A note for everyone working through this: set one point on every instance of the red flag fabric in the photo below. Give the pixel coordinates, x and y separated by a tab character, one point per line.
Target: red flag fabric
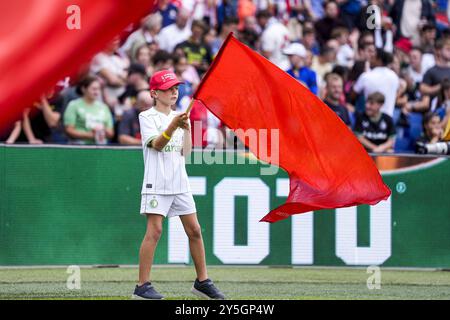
42	41
327	165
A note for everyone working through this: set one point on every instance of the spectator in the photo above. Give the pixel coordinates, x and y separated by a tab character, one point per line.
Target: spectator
415	69
302	10
310	42
10	135
349	11
168	12
137	81
345	54
248	34
413	75
144	55
375	129
432	131
323	64
380	79
176	33
112	69
88	120
227	9
47	124
162	60
129	129
297	54
196	50
185	89
148	33
326	25
409	16
229	25
274	37
245	9
40	123
334	93
435	76
441	104
428	38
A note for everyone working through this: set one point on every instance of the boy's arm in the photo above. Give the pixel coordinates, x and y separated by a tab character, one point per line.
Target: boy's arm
158	141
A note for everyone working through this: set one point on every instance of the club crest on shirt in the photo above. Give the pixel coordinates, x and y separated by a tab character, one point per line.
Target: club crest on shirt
153	203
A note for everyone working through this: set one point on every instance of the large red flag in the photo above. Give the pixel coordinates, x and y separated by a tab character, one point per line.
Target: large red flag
327	165
42	41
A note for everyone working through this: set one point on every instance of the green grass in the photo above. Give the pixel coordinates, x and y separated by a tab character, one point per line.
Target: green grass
235	282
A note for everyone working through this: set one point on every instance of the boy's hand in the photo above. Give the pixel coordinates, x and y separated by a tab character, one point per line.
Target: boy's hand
180	121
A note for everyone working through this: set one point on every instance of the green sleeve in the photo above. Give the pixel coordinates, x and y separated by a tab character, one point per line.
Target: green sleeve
70	115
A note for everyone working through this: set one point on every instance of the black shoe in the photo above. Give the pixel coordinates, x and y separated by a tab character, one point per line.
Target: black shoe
146	292
207	290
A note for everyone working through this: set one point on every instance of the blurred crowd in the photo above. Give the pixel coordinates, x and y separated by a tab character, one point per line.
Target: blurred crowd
382	66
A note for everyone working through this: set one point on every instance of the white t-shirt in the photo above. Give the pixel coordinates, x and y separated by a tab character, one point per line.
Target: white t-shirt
114	64
171	35
274	39
410	20
165	171
383	80
139	36
345	56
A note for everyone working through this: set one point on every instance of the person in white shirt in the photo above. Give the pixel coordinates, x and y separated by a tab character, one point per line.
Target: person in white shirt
176	33
380	79
274	39
166	141
112	68
345	54
148	33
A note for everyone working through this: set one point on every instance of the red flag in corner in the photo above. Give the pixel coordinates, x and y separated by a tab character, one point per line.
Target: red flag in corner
327	165
43	41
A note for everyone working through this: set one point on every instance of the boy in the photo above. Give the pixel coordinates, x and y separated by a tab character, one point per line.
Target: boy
166	140
375	129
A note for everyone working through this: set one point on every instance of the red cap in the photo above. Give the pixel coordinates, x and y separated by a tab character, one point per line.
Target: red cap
163	80
404	44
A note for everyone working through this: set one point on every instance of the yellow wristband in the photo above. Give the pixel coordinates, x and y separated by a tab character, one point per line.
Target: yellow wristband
165	135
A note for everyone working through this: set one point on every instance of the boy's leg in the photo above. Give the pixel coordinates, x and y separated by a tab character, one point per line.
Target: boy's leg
194	233
148	246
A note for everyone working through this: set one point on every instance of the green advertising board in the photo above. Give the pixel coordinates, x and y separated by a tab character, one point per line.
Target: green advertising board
80	206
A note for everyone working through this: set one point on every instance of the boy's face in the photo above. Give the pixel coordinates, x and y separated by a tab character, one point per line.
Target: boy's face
373	108
167	97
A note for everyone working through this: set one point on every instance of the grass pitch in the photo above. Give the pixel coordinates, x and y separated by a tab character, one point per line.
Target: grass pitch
236	282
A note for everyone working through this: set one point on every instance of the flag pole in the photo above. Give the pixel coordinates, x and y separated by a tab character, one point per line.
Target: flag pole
189	108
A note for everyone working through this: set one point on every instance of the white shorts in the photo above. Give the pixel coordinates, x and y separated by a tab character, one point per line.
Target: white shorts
171	205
